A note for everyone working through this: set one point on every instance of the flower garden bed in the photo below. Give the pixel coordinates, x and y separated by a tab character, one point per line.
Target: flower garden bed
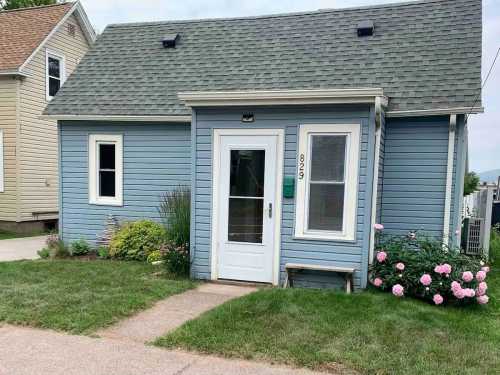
425	268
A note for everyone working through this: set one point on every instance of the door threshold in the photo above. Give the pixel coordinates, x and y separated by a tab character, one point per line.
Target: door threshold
240	283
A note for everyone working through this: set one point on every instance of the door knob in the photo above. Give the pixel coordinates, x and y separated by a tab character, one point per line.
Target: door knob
270	210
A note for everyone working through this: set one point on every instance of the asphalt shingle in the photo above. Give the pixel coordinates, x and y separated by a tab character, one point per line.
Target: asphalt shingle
425	55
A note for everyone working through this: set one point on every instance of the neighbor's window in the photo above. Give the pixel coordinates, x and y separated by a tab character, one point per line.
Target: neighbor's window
54	74
106	169
327	181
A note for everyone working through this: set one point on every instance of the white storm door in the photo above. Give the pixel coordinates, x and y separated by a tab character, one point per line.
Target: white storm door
246	207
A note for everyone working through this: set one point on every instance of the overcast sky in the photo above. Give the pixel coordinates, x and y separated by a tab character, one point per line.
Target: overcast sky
484	144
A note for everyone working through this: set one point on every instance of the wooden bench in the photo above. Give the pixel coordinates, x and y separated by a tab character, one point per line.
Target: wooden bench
292	268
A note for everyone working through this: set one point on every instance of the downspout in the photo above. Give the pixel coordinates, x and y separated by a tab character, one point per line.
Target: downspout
449	180
376	160
192	234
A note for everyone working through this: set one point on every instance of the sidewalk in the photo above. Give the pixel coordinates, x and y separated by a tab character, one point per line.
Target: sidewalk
172	312
28	351
21	248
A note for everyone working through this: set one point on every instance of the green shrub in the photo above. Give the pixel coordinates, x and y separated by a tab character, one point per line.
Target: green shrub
60	250
175	211
80	247
44	253
425	269
155	256
103	252
56	247
136	240
177	260
495	244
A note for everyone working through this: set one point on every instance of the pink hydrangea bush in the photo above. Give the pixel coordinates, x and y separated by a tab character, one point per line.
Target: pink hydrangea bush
423	268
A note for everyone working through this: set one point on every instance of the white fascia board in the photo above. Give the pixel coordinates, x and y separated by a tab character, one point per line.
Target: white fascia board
436	112
12	73
116	118
85	24
280	97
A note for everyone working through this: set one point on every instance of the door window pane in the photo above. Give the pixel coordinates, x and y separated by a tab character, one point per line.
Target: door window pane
326	207
245	220
328	157
247	173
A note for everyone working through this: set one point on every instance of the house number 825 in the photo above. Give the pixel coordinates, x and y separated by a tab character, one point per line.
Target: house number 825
302	159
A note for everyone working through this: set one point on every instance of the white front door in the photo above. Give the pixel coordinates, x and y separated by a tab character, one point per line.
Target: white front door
246	212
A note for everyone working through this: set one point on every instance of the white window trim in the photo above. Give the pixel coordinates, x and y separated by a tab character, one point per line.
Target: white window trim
348	232
94	140
62	68
2	185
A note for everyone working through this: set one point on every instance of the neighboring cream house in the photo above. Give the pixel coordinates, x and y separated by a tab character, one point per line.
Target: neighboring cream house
39	48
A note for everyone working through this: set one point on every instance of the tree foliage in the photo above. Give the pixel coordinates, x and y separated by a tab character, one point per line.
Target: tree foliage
16	4
471	183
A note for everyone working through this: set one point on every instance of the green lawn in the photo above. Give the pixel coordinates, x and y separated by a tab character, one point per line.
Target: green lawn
79	296
371	332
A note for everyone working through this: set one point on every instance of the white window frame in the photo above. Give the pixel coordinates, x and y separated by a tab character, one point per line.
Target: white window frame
62	70
2	184
94	141
352	132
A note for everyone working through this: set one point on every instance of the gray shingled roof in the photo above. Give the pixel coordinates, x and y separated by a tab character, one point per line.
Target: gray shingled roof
425	55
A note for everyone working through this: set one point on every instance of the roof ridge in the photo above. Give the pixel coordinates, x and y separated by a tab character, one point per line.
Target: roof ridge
36	7
396	3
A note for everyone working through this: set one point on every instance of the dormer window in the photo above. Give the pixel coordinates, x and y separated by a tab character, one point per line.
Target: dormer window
54	74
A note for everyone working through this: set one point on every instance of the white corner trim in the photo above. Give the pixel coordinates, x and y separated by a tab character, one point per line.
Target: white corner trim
435	112
353	132
2	186
62	70
94	140
116	118
378	131
279	97
86	26
449	179
217	135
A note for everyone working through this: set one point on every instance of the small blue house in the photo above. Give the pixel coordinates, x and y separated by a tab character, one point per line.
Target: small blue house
296	132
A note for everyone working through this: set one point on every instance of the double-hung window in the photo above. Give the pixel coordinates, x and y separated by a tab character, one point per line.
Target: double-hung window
106	169
327	180
54	73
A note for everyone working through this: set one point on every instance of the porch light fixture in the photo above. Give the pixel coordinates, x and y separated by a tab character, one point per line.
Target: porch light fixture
247	117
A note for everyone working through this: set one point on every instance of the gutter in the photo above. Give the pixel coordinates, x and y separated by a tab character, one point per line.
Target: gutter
116	118
280	97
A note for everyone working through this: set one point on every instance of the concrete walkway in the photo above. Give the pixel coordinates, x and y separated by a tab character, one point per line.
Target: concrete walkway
21	248
27	351
172	312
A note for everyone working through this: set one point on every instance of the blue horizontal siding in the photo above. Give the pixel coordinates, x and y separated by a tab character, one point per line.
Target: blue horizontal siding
414	177
156	159
337	253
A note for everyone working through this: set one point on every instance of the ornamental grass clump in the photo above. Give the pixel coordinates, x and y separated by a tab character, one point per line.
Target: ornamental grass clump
424	268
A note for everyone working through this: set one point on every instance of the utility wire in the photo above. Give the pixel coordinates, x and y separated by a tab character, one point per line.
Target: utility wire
484	83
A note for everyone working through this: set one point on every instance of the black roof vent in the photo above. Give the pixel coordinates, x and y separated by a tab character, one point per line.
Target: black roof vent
170	40
365	28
